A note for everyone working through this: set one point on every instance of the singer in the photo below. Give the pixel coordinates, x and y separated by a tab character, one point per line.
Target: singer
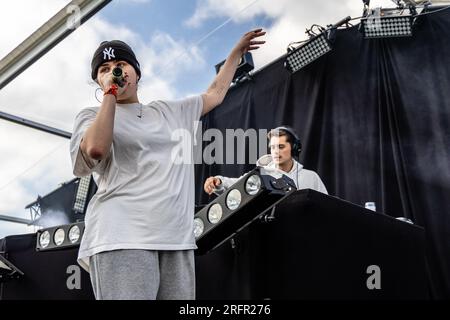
139	241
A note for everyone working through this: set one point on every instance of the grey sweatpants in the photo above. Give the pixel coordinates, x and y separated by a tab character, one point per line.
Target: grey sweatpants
143	275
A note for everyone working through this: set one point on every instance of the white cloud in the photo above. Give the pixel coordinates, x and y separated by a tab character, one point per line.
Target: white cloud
238	10
166	58
8	228
290	18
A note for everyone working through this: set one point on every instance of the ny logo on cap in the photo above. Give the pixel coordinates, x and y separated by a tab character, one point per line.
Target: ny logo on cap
108	52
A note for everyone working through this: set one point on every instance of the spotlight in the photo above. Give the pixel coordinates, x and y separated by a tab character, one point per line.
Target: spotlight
199	227
74	234
312	49
307	53
233	199
249	198
253	185
79	205
215	213
44	239
60	236
244	67
387	23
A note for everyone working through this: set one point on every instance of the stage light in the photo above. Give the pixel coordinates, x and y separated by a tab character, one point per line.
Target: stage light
215	213
58	237
44	239
233	199
387	23
307	53
74	234
253	185
313	48
250	197
82	194
199	227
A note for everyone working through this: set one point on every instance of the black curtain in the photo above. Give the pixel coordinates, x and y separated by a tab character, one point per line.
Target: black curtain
374	120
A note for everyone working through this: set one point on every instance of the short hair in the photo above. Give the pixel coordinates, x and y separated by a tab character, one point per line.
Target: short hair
281	133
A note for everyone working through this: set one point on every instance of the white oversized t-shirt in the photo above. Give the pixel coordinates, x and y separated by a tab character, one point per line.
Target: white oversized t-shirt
144	200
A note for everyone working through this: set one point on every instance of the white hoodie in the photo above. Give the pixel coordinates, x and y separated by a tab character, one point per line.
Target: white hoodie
303	178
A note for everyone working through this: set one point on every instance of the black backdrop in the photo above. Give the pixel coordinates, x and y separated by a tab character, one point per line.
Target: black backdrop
374	120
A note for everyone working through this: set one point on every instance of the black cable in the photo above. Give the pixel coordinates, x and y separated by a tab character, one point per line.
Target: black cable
321	29
430	12
290	47
310	31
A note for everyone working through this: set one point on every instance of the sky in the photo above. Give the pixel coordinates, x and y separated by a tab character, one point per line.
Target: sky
177	42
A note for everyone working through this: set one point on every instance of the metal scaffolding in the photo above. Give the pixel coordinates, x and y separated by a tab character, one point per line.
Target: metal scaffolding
32	49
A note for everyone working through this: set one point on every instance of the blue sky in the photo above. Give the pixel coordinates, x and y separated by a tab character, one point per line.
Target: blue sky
165	35
148	18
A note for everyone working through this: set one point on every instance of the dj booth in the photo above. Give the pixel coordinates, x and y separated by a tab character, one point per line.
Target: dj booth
313	246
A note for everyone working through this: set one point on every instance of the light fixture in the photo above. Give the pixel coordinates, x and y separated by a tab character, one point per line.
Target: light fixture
387	23
233	199
199	227
253	185
307	53
58	237
215	213
74	234
81	196
313	48
44	239
250	197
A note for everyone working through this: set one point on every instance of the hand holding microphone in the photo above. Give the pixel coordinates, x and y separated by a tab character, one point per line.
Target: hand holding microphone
116	77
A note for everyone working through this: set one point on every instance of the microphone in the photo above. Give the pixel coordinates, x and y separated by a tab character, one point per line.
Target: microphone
118	77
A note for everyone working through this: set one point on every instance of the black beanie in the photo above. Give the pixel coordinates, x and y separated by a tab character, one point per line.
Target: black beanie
113	50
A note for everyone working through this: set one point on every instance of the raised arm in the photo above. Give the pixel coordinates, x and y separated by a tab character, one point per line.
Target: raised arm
219	87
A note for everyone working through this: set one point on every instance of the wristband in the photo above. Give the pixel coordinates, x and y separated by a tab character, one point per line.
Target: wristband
112	90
